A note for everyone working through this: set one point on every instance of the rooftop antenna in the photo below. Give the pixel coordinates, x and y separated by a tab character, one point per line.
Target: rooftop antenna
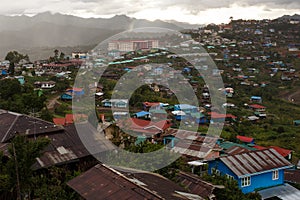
34	115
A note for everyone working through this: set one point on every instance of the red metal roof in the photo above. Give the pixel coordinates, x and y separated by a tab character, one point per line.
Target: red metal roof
145	126
149	104
75	89
216	115
245	139
230	116
255	161
282	151
260	147
256	106
59	121
71	118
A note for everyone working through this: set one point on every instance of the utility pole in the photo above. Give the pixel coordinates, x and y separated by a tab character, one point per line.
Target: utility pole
19	197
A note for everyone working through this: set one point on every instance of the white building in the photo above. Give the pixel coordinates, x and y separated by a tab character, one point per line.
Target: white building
132	45
80	55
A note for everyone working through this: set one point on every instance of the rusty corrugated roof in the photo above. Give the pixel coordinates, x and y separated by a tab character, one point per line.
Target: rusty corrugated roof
102	182
292	176
192	143
255	162
236	150
65	143
195	185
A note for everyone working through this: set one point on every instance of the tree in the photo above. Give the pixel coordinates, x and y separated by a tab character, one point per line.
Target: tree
17	98
11	68
231	190
61	56
46	115
62	109
8	88
280	129
23	153
56	54
15	57
52	184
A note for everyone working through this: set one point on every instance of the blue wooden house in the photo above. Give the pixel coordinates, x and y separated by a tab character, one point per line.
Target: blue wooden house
76	91
254	170
256	99
4	72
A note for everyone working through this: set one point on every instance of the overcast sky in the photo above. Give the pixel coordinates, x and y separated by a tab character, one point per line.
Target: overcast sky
192	11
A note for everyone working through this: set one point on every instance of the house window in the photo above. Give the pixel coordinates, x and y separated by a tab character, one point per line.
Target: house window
215	171
229	177
246	181
275	175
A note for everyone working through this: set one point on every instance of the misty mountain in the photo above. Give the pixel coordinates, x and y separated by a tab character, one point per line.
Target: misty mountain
290	17
185	25
52	30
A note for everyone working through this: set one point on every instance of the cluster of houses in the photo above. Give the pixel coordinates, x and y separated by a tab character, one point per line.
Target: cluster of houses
254	167
240	57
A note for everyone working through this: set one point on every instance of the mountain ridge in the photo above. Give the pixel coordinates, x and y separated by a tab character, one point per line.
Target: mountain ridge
55	29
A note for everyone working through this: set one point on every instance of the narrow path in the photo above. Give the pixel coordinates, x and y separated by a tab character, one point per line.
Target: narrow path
52	102
291	96
294	97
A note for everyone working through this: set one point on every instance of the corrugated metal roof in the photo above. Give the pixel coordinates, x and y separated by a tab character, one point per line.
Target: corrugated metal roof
103	182
15	123
284	192
192	143
226	145
255	162
236	150
292	176
195	184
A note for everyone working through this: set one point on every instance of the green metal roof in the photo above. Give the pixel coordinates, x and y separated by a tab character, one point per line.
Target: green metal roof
296	121
227	145
140	139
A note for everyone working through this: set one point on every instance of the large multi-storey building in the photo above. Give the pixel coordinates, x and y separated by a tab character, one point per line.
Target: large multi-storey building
132	45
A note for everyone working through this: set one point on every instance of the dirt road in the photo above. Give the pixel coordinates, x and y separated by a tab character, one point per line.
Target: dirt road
52	102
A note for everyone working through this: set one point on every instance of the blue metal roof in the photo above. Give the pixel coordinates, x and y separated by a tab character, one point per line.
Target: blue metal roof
256	97
142	114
